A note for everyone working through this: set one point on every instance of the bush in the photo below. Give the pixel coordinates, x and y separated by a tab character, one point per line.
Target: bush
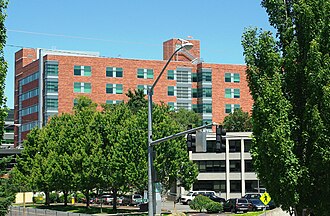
199	203
214	207
61	199
53	197
38	199
80	197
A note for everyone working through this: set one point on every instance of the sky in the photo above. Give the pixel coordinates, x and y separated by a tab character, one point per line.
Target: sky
130	28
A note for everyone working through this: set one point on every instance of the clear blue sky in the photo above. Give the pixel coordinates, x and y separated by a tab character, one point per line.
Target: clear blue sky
130	28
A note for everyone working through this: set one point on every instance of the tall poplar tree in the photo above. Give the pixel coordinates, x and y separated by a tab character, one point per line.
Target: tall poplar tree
289	79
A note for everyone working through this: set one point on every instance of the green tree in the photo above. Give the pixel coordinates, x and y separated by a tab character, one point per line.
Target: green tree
289	81
238	121
3	65
7	194
200	203
186	117
137	100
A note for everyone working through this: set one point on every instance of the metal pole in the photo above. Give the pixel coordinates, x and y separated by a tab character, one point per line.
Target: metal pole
151	203
150	159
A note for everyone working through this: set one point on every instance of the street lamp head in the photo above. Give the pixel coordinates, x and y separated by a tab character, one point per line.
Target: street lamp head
187	45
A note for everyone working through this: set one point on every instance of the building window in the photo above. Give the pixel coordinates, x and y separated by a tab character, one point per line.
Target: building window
230	108
170	90
51	103
235	186
247	145
114	88
232	77
144	88
234	145
30	94
232	93
219	186
145	73
194	107
171	105
194	93
51	86
194	77
182	105
211	166
51	68
82	70
207	92
235	166
170	74
114	101
80	87
182	92
248	166
182	76
207	108
114	72
251	186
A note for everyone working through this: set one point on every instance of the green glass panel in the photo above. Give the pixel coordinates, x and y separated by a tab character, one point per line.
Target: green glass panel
141	87
227	77
140	73
109	89
170	90
77	70
109	102
237	106
236	78
119	72
170	74
228	108
87	70
194	77
194	93
236	93
227	93
87	88
207	92
77	87
109	72
150	73
119	88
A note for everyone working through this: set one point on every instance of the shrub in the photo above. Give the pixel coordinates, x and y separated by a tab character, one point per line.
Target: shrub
38	199
61	199
53	197
80	197
214	207
199	203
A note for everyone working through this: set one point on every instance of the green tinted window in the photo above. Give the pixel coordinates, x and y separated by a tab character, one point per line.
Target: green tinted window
170	90
87	70
194	77
119	88
228	108
77	70
51	86
227	77
119	72
150	73
227	93
236	78
170	74
87	88
109	72
194	93
140	73
236	93
77	87
171	104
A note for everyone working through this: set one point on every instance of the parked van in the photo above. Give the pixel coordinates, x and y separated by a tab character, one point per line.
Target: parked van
186	199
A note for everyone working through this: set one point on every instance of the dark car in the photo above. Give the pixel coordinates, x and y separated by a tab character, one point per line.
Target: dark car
237	205
257	205
249	196
215	198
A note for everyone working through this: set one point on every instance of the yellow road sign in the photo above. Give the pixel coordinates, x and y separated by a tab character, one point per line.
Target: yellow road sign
265	198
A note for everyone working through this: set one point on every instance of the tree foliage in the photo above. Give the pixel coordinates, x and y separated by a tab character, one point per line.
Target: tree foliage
3	65
106	150
7	195
238	121
289	81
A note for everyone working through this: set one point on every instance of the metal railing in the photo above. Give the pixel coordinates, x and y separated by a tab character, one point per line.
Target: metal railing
20	211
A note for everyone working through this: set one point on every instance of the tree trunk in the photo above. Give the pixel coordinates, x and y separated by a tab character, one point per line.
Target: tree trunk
65	193
47	201
87	198
114	201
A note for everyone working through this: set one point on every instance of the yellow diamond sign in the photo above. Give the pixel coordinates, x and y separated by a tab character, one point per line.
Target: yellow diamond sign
265	198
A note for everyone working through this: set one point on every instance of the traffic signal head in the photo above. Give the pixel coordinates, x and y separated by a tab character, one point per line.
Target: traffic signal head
220	140
191	139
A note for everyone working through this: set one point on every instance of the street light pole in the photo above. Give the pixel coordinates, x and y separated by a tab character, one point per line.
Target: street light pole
151	205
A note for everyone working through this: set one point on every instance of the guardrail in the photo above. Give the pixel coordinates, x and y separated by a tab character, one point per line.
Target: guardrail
20	211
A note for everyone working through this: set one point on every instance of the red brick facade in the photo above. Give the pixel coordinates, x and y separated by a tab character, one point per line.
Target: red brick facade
27	63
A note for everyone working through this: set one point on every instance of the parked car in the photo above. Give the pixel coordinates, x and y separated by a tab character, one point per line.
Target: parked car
237	205
216	198
249	196
186	199
136	199
257	205
105	199
123	200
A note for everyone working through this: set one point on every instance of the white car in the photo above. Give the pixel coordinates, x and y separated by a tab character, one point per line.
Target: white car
186	199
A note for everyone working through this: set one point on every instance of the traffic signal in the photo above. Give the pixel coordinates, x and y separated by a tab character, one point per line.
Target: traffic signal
191	139
220	140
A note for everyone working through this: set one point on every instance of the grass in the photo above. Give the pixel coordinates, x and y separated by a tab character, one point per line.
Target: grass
256	213
83	209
